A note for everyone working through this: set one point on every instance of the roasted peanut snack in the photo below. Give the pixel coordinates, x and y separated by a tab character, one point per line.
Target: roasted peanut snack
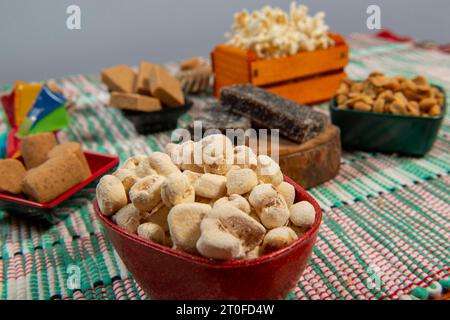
241	211
395	95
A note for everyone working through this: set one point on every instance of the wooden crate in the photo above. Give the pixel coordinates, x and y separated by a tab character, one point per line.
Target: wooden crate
307	77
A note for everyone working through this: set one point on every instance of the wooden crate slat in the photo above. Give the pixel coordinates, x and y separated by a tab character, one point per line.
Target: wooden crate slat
300	65
310	90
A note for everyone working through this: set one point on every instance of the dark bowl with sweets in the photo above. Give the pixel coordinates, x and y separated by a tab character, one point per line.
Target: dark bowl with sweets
388	133
165	119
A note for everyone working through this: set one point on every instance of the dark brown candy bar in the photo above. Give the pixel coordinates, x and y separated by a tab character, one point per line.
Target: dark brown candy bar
217	116
295	122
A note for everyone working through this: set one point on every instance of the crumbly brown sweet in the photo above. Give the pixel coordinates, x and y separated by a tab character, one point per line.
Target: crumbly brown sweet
12	172
52	178
35	148
75	148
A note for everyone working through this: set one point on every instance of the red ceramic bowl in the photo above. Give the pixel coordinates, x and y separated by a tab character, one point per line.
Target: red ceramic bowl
164	273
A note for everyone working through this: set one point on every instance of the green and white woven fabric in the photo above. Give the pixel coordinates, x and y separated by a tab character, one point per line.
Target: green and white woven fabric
385	232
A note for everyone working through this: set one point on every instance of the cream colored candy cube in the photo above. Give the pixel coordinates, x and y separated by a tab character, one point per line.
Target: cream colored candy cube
162	164
244	157
303	214
261	195
145	194
151	231
278	238
128	218
111	195
139	165
217	154
270	206
177	189
192	175
187	155
287	190
158	215
241	181
269	171
275	213
234	200
211	186
249	231
216	243
127	177
184	224
253	254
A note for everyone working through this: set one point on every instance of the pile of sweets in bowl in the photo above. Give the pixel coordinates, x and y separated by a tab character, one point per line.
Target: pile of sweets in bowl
207	198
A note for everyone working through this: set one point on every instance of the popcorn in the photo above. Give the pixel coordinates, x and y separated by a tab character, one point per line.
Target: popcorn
273	33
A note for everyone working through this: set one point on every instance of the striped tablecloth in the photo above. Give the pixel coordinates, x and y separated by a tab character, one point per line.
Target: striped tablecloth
386	227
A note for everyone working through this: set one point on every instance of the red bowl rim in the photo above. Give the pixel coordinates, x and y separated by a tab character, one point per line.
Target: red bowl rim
114	160
228	263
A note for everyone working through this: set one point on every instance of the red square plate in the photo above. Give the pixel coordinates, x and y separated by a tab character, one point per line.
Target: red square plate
100	164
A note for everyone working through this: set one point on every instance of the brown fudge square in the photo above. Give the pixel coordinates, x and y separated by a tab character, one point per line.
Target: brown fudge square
12	172
133	101
119	78
142	80
165	87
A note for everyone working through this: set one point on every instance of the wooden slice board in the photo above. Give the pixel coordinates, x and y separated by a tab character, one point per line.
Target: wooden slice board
313	162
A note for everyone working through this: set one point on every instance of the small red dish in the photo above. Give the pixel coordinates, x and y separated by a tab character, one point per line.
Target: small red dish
100	164
164	273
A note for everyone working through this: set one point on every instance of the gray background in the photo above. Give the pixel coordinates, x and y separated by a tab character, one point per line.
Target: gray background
35	43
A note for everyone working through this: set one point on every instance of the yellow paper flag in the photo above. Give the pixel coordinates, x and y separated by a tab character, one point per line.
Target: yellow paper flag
24	97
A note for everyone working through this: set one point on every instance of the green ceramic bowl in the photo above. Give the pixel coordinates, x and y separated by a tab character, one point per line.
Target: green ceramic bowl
370	131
